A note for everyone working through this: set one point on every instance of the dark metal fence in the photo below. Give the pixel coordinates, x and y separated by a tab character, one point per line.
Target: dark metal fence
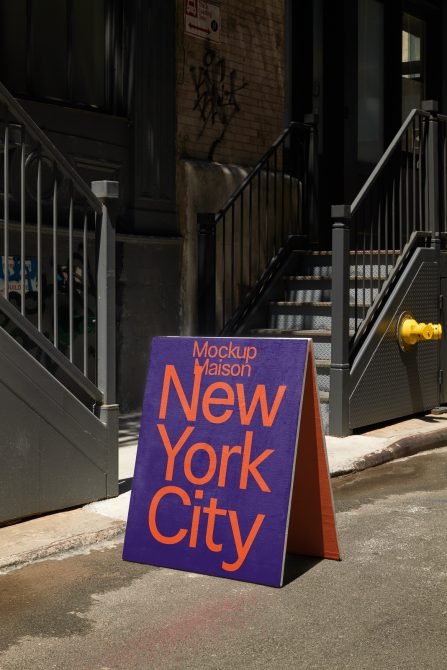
57	259
401	205
275	201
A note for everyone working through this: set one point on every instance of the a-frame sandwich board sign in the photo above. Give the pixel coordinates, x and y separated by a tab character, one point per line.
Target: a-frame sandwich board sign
231	468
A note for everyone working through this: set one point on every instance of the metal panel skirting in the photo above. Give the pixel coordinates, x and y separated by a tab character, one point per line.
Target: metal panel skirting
386	382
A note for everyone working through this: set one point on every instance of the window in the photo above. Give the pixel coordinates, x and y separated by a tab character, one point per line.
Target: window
56	50
413	63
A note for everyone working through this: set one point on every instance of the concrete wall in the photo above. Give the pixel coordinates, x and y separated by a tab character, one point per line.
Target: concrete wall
148	304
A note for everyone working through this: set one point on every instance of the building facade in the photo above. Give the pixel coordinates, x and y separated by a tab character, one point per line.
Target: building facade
178	100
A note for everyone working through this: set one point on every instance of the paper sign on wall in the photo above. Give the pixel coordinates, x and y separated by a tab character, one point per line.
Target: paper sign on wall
202	19
231	468
15	274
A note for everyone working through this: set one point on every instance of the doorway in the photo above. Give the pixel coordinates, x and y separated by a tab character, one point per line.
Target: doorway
414	65
398	66
362	65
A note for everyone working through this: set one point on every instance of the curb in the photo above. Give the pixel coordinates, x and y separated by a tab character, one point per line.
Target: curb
74	542
402	448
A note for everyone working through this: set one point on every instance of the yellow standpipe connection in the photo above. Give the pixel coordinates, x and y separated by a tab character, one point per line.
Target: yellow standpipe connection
409	331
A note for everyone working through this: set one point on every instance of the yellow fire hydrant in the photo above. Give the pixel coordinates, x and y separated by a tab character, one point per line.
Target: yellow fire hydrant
409	331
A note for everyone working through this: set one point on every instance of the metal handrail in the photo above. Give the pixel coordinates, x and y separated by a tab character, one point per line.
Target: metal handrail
233	326
39	136
392	204
46	346
418	238
385	158
65	273
258	167
276	200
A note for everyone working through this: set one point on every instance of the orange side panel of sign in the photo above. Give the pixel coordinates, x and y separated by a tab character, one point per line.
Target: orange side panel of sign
312	529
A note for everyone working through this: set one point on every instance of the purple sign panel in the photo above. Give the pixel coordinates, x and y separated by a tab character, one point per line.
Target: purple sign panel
216	454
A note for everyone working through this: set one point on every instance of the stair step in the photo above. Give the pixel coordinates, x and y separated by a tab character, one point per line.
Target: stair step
321	338
300	303
362	264
323	271
290	332
367	252
318	278
295	304
316	316
322	293
322	363
324	396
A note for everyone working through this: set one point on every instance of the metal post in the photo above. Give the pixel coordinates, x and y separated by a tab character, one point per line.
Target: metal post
340	370
312	181
206	277
432	170
107	192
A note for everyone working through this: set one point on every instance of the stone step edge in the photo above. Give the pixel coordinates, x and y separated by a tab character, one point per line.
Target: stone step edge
291	332
366	252
315	303
322	278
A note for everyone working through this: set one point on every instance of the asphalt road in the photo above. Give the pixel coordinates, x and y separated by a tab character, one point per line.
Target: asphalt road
384	606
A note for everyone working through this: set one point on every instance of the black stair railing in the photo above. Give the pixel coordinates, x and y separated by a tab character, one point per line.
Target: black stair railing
275	201
404	197
57	259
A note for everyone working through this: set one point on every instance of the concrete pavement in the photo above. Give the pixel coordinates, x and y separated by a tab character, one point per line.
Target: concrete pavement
37	539
383	607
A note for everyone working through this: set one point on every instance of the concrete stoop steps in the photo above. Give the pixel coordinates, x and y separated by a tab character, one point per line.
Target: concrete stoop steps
306	308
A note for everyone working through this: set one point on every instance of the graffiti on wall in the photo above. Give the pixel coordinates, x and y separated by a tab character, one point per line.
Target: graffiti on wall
216	88
47	296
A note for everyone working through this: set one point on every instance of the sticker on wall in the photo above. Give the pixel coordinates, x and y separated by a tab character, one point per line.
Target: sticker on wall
231	468
15	274
202	19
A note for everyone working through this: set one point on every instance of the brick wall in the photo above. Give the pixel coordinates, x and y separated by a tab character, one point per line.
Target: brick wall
252	48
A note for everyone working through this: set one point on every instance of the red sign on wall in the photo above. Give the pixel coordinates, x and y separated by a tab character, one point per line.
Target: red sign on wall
202	19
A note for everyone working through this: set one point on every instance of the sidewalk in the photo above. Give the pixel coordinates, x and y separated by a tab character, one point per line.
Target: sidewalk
53	534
